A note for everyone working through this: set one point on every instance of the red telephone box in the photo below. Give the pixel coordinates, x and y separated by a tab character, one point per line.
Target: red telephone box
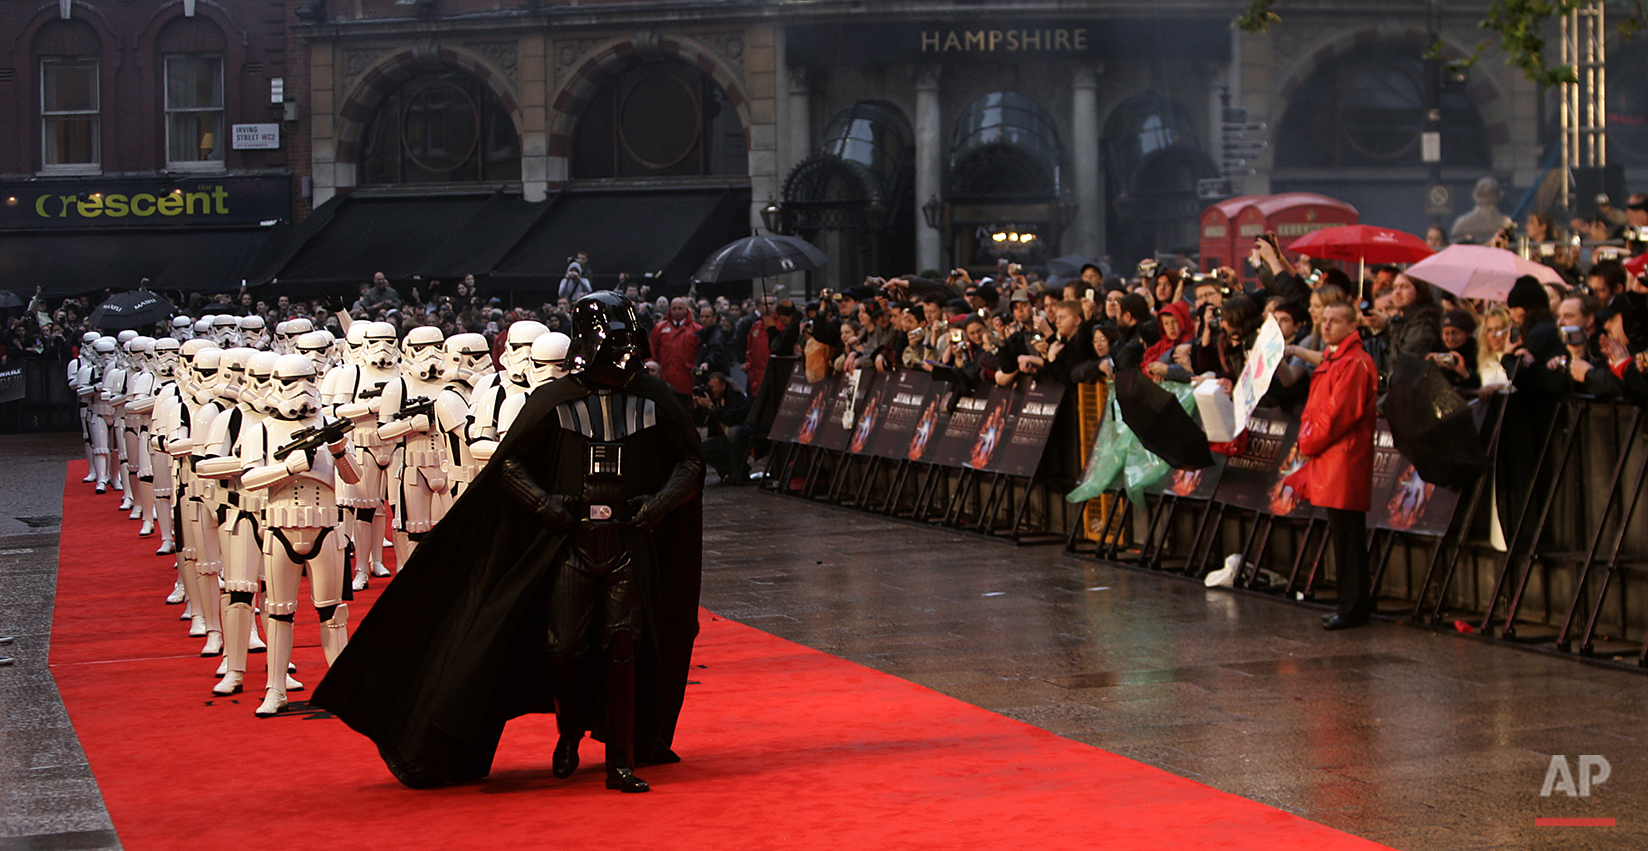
1290	214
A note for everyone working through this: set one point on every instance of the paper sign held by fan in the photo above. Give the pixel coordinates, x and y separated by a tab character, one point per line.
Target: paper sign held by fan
1261	366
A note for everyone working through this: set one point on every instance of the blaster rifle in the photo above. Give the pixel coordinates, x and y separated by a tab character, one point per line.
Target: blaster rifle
314	437
416	405
370	393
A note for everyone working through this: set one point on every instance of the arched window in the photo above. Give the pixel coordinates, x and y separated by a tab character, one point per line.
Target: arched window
191	52
1367	109
441	127
661	119
1004	146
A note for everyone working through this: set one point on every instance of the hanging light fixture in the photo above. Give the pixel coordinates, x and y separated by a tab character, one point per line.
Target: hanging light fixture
772	216
933	212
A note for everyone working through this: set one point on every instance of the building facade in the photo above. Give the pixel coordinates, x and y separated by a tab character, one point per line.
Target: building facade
143	140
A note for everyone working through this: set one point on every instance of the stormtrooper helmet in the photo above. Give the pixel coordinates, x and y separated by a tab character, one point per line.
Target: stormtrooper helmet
232	367
379	350
517	356
259	368
89	338
225	331
166	356
281	340
294	395
549	357
317	347
202	329
138	350
254	333
182	328
468	356
354	343
206	370
604	336
106	350
422	352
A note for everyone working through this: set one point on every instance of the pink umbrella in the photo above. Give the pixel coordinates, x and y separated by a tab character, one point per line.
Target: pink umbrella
1479	271
1363	243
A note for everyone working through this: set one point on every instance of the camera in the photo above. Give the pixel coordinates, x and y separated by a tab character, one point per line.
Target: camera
1147	268
1573	335
955	335
1547	249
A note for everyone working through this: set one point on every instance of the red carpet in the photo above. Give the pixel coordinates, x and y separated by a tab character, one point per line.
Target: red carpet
784	747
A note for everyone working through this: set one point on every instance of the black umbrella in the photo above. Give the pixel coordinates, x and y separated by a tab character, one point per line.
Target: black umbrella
1431	424
760	256
133	309
1158	420
9	299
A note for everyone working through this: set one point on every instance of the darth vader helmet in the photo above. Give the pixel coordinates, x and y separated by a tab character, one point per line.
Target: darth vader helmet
604	337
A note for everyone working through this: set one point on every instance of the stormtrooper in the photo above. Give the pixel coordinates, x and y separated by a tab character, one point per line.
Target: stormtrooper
317	346
409	400
155	468
114	393
468	359
295	455
254	333
99	412
358	397
493	412
591	522
168	419
203	330
239	532
137	400
288	331
82	403
189	442
182	329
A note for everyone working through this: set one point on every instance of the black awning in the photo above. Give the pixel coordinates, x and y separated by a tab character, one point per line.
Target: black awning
489	235
664	232
75	262
364	234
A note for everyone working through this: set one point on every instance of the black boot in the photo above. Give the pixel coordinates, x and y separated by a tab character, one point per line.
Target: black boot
621	772
621	715
566	755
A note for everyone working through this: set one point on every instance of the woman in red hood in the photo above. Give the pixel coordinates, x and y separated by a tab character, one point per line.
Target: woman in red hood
1174	321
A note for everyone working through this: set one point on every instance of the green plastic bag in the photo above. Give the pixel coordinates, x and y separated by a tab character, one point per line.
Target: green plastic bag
1117	451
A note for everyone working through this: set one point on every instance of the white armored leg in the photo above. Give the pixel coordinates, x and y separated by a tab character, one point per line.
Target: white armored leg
279	604
241	561
237	618
209	607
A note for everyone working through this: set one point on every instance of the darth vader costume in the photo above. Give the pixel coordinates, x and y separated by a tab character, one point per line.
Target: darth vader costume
565	579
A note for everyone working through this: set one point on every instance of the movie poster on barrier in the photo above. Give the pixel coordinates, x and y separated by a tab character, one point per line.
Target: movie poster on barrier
906	400
1253	480
1029	422
1402	501
960	437
1260	367
1190	484
840	418
802	410
872	410
930	425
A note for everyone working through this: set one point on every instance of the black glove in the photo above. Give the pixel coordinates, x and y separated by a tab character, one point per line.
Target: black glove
685	481
550	509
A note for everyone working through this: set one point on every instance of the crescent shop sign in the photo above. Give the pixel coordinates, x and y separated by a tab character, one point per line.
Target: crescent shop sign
93	203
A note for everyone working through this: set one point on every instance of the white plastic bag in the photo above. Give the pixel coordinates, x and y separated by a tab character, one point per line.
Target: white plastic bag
1218	413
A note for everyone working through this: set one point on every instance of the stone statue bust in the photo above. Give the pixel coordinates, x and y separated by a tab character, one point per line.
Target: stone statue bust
1481	224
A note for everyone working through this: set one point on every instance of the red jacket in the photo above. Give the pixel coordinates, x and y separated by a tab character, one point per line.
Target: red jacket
675	347
1336	430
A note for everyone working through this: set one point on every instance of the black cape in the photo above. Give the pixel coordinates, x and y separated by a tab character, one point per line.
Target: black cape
454	647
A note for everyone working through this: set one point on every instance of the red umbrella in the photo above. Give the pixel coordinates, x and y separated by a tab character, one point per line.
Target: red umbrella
1364	243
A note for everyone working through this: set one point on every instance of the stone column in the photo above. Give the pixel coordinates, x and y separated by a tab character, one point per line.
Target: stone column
929	165
800	117
1084	236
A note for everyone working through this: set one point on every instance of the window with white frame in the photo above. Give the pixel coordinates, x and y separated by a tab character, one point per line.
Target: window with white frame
70	136
194	112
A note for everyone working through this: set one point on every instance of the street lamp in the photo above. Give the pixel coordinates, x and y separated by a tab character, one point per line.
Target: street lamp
772	216
875	215
933	212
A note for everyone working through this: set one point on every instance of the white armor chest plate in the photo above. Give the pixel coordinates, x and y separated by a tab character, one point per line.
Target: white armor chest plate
307	500
423	450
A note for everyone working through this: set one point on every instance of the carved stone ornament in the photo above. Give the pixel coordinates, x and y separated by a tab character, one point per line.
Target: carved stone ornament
355	62
568	52
503	54
729	45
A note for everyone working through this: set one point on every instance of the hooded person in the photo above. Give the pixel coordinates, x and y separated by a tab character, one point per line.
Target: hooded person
1176	329
585	527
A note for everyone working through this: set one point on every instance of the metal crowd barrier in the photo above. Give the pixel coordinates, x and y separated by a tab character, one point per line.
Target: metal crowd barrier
1569	579
34	396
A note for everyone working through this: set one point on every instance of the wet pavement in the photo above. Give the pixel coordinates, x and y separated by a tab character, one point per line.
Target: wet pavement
1413	739
1407	737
